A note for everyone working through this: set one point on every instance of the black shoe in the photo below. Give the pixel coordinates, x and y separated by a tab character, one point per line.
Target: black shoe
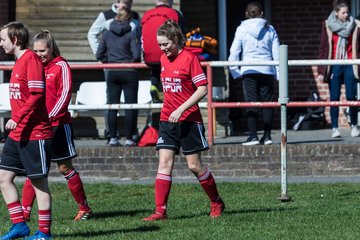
266	140
251	141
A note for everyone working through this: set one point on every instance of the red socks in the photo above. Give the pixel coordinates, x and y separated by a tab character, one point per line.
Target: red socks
162	190
77	189
44	221
28	197
74	184
207	182
16	214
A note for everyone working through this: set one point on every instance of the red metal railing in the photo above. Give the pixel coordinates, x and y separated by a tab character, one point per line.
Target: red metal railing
211	106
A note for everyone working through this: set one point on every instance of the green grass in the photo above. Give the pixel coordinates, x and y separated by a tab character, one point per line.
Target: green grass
317	211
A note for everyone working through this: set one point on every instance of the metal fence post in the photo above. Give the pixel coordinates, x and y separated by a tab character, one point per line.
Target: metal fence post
283	100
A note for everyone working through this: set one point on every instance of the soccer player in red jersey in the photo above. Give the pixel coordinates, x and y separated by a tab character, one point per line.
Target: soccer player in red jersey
58	95
181	125
27	148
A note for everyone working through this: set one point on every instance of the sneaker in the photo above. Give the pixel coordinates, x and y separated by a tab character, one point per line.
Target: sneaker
130	143
266	140
154	92
18	230
40	236
335	133
155	216
114	142
217	208
83	215
251	141
354	131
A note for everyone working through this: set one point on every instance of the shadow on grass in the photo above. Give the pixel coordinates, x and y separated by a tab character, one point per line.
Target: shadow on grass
349	193
243	211
99	215
108	232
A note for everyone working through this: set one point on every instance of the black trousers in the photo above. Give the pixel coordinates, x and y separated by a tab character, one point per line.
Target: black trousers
258	88
116	81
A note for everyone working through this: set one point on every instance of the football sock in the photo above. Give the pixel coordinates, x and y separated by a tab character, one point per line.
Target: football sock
44	221
76	188
162	190
207	182
28	197
16	214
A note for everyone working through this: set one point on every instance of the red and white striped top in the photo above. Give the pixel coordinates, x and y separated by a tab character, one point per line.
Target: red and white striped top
58	91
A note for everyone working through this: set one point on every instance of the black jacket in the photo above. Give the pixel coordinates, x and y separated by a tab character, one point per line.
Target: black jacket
119	44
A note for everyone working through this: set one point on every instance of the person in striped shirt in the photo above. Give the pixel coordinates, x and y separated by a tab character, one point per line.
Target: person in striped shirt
58	95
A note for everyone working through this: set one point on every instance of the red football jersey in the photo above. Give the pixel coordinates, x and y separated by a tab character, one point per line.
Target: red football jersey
32	120
180	78
58	91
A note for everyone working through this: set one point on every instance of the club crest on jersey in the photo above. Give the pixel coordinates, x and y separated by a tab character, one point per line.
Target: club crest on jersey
162	68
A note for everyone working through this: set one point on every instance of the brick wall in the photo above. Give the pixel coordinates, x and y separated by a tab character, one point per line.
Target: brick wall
229	161
298	24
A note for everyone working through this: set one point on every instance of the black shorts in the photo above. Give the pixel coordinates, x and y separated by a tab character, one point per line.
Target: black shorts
30	158
190	136
62	145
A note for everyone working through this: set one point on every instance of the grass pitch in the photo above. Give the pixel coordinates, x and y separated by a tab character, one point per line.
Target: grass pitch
317	211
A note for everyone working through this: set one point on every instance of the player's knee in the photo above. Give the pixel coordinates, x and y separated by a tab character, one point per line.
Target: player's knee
6	177
65	166
64	169
165	164
195	168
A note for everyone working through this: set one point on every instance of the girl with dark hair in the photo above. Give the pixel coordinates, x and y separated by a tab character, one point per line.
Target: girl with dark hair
181	125
121	45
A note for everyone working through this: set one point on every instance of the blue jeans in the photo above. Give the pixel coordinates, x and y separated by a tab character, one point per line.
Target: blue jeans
342	74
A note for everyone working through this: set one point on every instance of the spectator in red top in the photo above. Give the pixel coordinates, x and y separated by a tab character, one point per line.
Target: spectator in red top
58	95
340	40
27	148
150	23
181	125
